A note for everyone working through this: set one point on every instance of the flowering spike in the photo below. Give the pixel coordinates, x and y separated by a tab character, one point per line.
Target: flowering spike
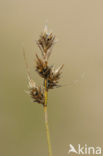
49	73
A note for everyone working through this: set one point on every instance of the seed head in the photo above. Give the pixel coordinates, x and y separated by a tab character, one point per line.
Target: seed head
54	77
45	43
50	75
42	68
37	93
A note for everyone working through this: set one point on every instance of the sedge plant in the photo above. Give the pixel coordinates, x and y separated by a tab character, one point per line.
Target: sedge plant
48	73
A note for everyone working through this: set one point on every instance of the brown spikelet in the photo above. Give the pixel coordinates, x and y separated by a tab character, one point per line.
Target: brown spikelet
42	68
37	95
54	77
45	43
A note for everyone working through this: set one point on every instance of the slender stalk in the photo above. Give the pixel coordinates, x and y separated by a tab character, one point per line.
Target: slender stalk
46	120
47	72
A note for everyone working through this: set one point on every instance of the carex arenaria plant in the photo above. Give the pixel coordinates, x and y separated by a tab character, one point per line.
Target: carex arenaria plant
49	73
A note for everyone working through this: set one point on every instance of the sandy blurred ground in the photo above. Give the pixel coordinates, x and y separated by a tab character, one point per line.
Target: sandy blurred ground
75	111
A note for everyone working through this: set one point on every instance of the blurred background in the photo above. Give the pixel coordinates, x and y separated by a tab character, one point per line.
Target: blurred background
76	109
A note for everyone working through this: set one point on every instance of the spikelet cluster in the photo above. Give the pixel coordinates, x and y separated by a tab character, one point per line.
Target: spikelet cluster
47	72
36	92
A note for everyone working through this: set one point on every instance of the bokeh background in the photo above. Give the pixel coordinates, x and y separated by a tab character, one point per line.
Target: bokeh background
76	109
